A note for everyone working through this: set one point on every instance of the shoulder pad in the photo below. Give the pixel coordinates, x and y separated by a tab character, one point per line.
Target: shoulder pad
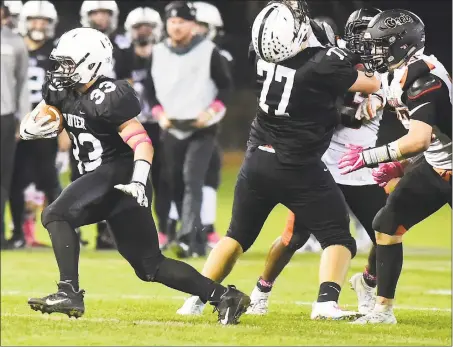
423	85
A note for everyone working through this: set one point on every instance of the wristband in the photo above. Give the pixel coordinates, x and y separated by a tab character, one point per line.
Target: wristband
383	154
141	171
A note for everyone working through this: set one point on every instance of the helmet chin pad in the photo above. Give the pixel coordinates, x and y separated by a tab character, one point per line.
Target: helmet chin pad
36	35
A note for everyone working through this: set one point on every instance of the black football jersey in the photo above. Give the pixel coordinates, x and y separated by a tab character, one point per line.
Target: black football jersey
139	71
38	64
297	102
92	119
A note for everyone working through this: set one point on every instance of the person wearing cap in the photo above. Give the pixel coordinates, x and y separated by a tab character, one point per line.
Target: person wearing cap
14	103
189	84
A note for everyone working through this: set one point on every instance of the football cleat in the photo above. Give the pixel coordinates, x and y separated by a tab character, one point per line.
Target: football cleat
231	306
66	301
260	302
366	295
192	306
329	310
380	315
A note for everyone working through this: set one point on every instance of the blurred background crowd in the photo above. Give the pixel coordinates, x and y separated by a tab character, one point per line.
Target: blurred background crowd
30	171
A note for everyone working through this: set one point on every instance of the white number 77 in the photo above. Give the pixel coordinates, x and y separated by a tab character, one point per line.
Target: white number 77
277	72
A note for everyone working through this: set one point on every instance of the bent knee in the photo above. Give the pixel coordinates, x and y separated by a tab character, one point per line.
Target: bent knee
343	238
52	213
147	267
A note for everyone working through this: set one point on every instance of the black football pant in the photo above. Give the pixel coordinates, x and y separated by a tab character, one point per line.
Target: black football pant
187	162
7	148
309	191
34	163
93	198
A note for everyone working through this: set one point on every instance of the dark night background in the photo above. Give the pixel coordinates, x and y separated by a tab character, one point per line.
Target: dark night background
238	17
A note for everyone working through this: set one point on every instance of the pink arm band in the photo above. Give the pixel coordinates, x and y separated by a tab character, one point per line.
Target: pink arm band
217	106
144	139
156	111
131	135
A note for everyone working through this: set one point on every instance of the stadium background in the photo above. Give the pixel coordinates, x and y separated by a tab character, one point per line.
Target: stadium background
238	18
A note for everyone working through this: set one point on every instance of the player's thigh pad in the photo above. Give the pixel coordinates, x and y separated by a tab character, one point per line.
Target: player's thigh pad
319	206
92	197
252	203
136	238
294	236
419	194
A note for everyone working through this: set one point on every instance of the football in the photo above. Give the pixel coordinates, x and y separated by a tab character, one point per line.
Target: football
54	113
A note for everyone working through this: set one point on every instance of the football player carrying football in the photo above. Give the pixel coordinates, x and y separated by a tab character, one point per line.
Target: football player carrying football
421	93
287	139
114	155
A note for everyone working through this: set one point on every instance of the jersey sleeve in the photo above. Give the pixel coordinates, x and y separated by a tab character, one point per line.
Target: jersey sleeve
336	71
421	99
123	104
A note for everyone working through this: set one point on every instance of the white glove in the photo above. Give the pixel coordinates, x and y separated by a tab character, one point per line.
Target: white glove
395	90
368	108
62	162
32	130
137	190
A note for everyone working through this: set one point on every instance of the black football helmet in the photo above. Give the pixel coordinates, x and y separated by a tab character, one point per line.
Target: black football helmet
355	27
391	39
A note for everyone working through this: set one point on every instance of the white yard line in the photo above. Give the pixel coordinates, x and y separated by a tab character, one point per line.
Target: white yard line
439	292
182	298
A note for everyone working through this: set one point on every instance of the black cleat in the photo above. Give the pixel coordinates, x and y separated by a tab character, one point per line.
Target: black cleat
231	306
66	301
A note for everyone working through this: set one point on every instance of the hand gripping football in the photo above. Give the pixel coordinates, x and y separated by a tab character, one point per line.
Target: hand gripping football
55	115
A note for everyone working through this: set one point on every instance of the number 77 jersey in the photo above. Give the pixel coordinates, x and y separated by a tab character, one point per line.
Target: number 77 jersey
297	102
92	119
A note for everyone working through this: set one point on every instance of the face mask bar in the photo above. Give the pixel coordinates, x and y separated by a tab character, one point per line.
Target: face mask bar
63	75
374	55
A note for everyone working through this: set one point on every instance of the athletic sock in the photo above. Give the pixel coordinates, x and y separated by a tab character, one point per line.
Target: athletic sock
329	291
264	286
183	277
368	278
389	265
66	247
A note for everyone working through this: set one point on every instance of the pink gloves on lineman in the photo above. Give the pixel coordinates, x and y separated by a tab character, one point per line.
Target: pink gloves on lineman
351	161
387	172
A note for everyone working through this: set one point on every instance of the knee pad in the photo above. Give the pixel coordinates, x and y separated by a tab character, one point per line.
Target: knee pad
295	241
244	239
52	213
340	238
386	222
146	267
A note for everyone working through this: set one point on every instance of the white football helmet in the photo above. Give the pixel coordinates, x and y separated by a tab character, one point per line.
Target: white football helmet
278	33
14	8
81	55
91	6
144	15
208	14
38	9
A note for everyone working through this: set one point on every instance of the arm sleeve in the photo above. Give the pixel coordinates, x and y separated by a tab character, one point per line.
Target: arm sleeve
21	74
221	75
124	105
337	71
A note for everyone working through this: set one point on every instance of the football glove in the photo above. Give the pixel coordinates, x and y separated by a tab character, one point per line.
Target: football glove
386	172
352	160
31	129
135	189
368	108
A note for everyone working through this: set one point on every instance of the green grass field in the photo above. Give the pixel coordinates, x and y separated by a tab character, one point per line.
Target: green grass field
122	310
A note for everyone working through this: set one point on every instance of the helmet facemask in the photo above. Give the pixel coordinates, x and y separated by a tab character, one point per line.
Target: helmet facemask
63	74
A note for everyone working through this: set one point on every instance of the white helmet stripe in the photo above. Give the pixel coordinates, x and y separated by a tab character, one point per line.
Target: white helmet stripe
260	35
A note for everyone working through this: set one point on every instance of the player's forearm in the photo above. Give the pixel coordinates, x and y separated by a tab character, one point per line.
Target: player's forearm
410	146
144	151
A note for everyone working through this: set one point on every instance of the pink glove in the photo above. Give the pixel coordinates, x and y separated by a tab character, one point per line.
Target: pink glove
385	172
351	161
